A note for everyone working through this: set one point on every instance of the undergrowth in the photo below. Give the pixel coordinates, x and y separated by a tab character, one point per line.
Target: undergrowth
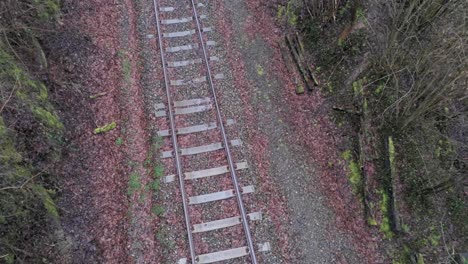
30	135
404	75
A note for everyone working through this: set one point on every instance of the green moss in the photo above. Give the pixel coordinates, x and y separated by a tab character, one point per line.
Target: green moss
385	225
8	153
434	237
391	152
291	14
358	88
346	155
420	258
281	11
300	89
46	117
260	70
330	87
27	208
47	200
46	9
379	89
404	256
105	128
355	176
43	93
371	221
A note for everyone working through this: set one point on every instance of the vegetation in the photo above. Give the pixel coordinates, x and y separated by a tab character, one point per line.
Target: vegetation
134	183
105	128
355	175
401	77
30	133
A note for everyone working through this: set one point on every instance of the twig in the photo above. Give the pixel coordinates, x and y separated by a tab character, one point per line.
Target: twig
7	100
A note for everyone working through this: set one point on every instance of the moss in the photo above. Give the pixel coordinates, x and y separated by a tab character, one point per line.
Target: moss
371	221
291	14
330	87
385	225
28	211
391	152
281	12
260	70
47	200
346	155
43	93
355	175
300	89
365	105
420	258
46	9
379	89
8	153
358	88
105	128
434	237
46	117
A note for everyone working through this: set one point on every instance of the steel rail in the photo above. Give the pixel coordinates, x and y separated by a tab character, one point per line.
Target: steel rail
232	169
174	137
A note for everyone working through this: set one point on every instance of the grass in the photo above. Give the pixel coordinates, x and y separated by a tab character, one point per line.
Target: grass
134	183
157	210
163	238
119	141
126	66
157	171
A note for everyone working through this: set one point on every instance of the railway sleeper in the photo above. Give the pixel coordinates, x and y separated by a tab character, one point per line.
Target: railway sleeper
206	173
228	254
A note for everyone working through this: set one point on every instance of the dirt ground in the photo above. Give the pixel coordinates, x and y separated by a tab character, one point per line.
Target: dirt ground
103	51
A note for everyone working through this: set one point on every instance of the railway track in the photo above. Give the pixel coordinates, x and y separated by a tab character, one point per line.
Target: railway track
205	166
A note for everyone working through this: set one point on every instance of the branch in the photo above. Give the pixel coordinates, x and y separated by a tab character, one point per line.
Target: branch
24	184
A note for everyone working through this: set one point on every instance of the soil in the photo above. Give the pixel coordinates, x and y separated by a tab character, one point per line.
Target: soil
290	143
